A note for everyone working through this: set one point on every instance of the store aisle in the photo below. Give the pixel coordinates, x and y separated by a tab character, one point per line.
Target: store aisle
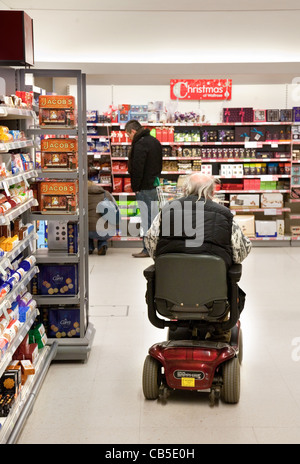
101	401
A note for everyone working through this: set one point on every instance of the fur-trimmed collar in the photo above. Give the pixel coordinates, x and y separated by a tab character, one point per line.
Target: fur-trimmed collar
142	132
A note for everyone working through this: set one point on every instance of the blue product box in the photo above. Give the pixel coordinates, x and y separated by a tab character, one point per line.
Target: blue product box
92	116
141	117
124	117
56	280
286	115
72	237
139	109
296	113
64	323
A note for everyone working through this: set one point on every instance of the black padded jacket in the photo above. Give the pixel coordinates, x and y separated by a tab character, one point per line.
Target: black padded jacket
144	161
216	239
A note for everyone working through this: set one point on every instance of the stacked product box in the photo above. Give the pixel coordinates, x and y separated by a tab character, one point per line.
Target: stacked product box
57	111
56	280
246	223
249	201
59	197
62	236
61	321
59	154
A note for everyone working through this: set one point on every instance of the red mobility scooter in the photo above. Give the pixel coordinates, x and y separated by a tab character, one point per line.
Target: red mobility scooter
193	295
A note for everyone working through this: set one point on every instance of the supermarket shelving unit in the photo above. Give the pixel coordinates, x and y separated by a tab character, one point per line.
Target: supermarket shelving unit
12	425
272	145
68	348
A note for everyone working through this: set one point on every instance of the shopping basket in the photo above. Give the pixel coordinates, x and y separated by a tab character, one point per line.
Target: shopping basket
167	193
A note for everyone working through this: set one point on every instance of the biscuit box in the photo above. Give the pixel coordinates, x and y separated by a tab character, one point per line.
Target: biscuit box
272	200
56	280
244	201
58	197
246	223
59	154
57	110
64	323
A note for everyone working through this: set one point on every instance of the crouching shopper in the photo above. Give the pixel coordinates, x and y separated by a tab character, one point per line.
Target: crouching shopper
103	217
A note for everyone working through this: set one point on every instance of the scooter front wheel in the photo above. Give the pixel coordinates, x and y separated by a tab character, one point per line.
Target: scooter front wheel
151	378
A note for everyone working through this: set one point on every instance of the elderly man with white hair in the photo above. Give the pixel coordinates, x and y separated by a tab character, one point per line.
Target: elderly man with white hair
221	236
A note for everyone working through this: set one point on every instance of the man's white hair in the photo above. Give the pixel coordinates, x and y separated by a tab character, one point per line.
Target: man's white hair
201	185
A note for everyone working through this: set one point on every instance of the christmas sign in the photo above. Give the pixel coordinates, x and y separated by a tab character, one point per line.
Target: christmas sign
201	89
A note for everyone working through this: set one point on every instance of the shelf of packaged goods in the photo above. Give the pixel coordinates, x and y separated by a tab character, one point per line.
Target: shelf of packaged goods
43	255
56	300
295	161
52	131
252	191
285	238
97	154
102	138
266	211
249	144
5	147
219	160
209	124
102	184
191	171
8	112
38	216
99	124
14	422
49	174
19	288
15	212
264	177
16	178
120	143
20	335
11	255
294	216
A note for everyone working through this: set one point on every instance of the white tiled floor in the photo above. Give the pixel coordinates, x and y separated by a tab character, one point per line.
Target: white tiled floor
101	401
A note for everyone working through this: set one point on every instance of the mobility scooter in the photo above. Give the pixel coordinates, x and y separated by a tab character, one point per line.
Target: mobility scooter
195	295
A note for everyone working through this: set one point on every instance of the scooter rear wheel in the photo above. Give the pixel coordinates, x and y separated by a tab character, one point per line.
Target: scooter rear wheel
151	378
231	381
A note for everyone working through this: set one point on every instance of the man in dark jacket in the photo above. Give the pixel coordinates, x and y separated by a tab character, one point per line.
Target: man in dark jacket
144	167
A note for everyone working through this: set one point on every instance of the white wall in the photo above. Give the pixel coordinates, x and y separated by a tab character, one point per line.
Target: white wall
100	97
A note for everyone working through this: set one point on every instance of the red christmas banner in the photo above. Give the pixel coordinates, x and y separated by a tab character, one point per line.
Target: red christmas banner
201	89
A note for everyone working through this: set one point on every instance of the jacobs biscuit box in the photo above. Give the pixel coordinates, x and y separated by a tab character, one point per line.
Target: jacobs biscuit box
58	197
59	154
57	111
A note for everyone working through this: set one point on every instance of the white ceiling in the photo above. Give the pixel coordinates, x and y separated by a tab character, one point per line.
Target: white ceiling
124	37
